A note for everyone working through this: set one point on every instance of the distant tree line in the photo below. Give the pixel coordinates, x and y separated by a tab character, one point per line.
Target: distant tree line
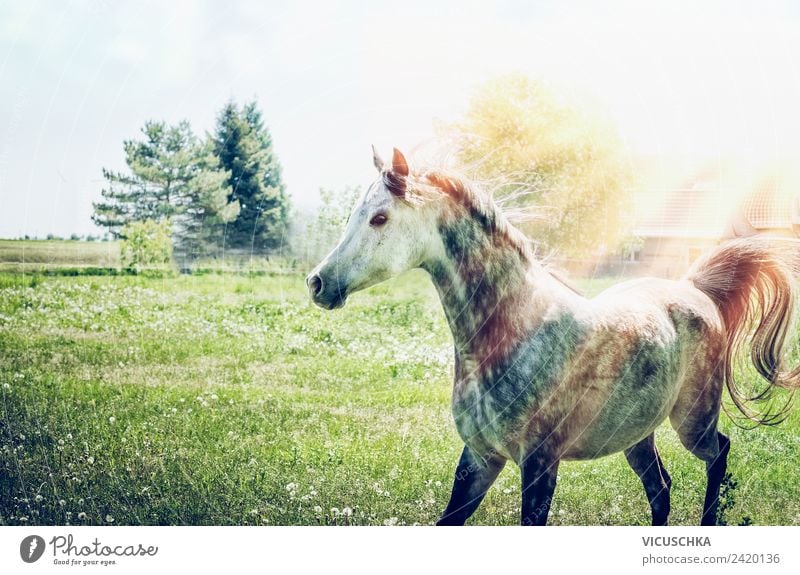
221	190
72	237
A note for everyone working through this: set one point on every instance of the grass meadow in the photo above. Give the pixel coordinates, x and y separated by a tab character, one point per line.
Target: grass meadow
230	399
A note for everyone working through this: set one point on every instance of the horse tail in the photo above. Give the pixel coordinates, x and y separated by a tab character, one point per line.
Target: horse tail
751	281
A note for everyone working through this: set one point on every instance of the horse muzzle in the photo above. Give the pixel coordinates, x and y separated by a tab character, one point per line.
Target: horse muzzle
326	294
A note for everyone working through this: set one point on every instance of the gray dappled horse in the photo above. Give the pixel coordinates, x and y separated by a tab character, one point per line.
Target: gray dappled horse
544	374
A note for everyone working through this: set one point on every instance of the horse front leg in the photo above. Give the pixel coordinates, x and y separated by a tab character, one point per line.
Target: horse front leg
539	473
473	478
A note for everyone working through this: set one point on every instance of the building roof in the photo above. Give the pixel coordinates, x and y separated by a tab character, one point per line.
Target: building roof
769	206
707	207
683	212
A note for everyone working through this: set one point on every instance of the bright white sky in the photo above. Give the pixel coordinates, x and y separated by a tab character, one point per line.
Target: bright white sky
76	78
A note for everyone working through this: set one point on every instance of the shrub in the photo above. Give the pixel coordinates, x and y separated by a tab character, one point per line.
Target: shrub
147	244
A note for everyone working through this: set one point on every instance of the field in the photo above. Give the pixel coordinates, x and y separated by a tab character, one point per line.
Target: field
30	256
230	399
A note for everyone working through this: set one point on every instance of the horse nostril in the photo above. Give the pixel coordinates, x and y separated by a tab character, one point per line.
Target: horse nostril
314	284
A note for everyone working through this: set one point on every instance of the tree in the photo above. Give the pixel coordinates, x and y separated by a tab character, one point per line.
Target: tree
243	146
173	175
554	156
205	207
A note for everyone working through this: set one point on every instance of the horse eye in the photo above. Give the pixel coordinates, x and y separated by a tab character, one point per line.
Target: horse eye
378	220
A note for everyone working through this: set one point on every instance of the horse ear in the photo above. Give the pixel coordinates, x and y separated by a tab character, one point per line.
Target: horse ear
399	164
376	159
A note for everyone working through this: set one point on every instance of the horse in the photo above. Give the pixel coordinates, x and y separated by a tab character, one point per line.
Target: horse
544	374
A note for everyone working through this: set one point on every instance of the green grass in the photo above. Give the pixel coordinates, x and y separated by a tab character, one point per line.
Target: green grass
229	399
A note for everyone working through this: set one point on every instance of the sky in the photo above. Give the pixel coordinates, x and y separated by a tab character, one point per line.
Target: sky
687	79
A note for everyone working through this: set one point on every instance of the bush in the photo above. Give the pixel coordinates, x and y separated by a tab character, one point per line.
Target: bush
147	244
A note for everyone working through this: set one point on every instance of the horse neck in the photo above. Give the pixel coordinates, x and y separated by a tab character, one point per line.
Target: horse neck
492	291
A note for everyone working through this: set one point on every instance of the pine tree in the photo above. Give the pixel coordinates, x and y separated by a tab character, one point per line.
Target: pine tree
244	148
173	176
205	208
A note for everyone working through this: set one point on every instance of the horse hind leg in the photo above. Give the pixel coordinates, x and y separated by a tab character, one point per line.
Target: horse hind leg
715	472
712	447
695	417
645	461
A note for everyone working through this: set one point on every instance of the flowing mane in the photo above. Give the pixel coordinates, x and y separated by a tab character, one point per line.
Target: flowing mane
435	181
480	205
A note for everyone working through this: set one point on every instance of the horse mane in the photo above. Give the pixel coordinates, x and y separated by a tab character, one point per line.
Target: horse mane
432	182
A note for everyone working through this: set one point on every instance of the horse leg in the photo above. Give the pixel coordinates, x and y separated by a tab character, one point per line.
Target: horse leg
539	474
694	417
473	478
645	461
715	472
712	447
